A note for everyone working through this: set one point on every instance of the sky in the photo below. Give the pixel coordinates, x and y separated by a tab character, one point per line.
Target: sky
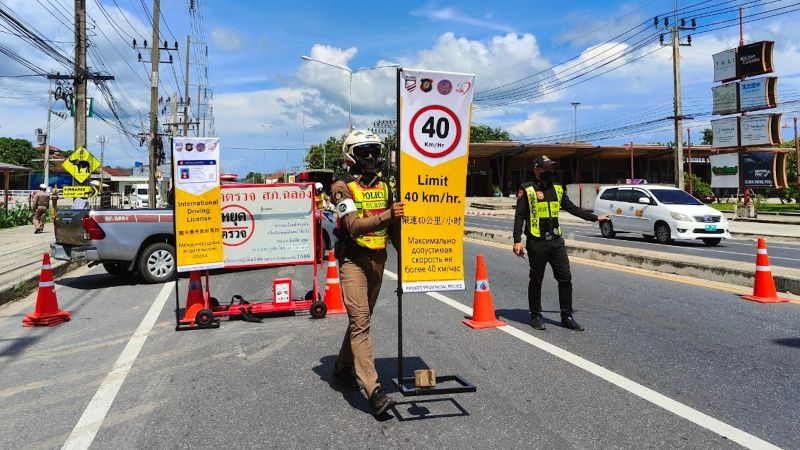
532	60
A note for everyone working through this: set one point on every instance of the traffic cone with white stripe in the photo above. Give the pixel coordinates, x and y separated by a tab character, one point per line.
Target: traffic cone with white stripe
764	286
195	299
482	305
333	290
46	313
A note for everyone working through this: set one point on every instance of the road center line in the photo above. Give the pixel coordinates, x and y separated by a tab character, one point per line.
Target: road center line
681	410
92	418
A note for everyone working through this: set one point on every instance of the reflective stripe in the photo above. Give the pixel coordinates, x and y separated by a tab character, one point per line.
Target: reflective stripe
331	280
46	284
761	251
543	209
762	269
371	202
47	266
332	263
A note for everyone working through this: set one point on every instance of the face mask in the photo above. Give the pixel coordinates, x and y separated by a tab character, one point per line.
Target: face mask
546	176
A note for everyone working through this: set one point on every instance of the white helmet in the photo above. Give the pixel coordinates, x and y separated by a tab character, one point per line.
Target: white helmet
318	187
357	138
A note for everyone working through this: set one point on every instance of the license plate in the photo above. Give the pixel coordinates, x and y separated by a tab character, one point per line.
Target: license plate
711	228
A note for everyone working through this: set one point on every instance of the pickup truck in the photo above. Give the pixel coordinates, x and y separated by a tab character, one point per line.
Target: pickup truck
126	241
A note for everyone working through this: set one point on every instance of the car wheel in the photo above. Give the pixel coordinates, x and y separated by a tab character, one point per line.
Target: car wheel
648	237
117	269
712	241
607	229
663	233
157	263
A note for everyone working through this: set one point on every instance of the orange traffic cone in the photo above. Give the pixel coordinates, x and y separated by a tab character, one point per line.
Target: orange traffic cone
194	298
333	290
764	286
46	313
482	306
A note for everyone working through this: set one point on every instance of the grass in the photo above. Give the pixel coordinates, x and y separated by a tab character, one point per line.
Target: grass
764	207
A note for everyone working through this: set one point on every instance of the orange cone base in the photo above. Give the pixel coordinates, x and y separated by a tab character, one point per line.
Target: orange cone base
758	299
191	313
46	320
480	325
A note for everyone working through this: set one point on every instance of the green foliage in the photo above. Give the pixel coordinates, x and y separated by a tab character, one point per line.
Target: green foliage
793	191
254	177
332	152
17	216
484	133
699	186
708	136
20	152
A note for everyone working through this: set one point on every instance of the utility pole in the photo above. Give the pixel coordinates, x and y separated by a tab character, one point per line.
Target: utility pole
676	44
689	144
174	124
47	136
102	140
197	129
80	74
186	91
155	60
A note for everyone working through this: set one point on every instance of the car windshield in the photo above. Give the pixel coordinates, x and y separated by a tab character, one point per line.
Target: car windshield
675	197
142	192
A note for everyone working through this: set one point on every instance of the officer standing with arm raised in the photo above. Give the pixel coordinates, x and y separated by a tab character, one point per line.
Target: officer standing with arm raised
538	204
365	212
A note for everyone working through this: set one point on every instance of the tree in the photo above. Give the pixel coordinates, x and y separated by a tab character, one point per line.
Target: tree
793	191
708	136
332	152
254	177
21	153
483	133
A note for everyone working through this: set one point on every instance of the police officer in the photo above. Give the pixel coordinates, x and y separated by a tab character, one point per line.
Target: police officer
41	202
365	212
538	204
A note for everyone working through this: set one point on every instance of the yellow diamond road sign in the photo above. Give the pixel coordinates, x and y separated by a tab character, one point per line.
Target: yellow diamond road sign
81	164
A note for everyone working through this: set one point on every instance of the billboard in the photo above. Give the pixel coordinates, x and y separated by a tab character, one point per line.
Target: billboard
725	65
759	93
726	132
726	98
754	59
725	170
764	169
763	129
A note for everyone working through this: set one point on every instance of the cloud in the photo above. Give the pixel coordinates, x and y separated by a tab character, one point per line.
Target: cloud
587	29
536	124
452	15
227	39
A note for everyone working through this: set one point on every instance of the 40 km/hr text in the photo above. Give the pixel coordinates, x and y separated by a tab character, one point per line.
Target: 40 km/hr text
425	197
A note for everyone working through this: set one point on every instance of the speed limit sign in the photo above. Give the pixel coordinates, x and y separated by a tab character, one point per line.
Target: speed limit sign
435	131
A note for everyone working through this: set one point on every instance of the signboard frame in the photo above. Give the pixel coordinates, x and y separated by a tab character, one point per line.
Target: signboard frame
758	93
725	132
761	129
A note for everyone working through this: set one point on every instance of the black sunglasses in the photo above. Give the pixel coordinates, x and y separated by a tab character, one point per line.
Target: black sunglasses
367	149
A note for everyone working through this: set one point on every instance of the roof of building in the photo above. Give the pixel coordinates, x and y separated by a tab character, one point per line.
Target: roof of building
6	167
582	149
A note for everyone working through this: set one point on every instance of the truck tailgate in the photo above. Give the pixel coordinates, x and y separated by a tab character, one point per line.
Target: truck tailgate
69	226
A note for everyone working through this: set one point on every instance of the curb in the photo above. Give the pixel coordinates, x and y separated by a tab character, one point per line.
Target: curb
8	293
742	274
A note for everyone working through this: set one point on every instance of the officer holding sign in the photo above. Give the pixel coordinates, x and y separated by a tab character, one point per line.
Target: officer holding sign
538	204
365	213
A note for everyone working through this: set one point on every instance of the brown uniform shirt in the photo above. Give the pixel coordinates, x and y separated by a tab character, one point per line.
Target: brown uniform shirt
356	226
41	198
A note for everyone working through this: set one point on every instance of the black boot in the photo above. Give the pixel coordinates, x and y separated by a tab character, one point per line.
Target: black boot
536	323
345	377
571	323
380	402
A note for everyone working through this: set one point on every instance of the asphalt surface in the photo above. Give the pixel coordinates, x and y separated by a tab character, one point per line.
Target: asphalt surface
781	254
248	385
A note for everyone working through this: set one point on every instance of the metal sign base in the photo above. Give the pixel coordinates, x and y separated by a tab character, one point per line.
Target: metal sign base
408	389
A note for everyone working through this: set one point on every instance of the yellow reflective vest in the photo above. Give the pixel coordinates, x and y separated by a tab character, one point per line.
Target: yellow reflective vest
542	209
371	202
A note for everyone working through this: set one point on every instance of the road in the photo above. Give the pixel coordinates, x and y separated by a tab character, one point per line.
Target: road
782	254
661	364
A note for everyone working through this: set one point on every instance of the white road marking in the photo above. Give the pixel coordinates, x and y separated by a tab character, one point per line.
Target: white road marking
92	418
675	407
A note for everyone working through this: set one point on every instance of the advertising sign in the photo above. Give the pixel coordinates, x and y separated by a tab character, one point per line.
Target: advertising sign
725	170
725	65
267	224
764	129
755	59
80	164
435	114
726	132
726	98
198	218
78	191
758	93
764	169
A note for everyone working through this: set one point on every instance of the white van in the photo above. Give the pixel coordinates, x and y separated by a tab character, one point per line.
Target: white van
661	212
140	197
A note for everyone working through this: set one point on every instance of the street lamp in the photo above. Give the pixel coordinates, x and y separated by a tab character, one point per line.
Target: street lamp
349	72
575	122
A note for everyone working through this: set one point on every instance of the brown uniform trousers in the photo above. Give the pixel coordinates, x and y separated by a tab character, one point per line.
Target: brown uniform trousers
361	283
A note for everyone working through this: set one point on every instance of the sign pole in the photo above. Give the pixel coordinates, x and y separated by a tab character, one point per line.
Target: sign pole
399	254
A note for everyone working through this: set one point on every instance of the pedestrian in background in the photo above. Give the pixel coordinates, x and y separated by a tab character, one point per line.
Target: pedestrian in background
365	213
538	204
41	202
54	200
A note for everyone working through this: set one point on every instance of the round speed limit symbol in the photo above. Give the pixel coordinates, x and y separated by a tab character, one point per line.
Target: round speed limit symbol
435	131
